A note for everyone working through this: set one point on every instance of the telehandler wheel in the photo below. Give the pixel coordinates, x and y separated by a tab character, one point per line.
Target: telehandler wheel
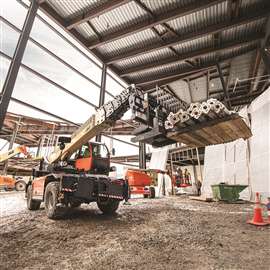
50	200
152	194
20	186
108	206
31	204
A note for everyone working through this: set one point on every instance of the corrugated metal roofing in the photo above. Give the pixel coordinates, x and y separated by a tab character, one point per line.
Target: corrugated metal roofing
85	30
243	31
112	21
71	9
158	71
195	44
159	7
145	59
132	14
135	41
200	19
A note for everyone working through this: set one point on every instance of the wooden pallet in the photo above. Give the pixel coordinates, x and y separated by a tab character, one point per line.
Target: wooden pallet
216	131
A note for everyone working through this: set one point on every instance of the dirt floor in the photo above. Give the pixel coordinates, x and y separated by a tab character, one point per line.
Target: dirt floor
168	233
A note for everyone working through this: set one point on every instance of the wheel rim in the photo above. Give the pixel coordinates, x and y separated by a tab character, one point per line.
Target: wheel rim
20	186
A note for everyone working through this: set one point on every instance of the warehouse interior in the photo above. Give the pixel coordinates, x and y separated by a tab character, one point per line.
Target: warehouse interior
134	134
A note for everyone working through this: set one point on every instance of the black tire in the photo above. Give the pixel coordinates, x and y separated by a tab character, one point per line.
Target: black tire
145	196
152	191
31	204
108	206
51	200
20	186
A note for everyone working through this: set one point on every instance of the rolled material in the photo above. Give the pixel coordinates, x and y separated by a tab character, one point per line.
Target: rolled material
212	108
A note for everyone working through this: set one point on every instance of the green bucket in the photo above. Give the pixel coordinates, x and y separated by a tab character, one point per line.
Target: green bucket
225	192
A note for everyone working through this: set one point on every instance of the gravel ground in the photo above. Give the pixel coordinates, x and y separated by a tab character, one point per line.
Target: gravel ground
168	233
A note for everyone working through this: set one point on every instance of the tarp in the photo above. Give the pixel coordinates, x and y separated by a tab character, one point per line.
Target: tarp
159	159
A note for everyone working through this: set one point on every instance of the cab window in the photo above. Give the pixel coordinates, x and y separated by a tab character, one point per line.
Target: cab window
85	151
100	151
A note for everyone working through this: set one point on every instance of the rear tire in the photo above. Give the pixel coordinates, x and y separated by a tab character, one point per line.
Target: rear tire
108	207
20	186
152	191
31	204
51	200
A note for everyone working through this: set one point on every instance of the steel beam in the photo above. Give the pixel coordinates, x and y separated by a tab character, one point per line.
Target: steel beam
102	93
93	13
198	53
51	82
103	85
71	43
53	15
265	46
16	61
191	36
227	98
142	156
163	17
169	78
43	48
254	70
11	143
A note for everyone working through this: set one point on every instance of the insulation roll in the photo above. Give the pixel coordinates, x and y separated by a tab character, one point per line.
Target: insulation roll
168	125
184	117
196	113
205	108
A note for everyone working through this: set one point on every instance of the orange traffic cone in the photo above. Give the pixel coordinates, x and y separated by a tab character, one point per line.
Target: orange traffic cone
257	216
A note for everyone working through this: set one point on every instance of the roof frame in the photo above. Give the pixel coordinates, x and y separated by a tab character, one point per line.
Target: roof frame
193	54
86	17
168	16
188	71
191	36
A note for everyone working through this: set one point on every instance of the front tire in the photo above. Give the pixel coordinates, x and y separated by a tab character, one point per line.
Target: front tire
31	204
20	186
108	206
51	200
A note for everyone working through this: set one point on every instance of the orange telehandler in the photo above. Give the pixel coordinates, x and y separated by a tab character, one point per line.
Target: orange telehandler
77	171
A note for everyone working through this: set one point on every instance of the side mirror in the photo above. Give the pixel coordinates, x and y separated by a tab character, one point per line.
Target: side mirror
62	142
113	152
113	169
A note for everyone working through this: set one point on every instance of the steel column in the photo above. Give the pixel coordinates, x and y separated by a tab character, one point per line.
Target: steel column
16	61
266	59
11	143
265	46
227	98
102	92
142	156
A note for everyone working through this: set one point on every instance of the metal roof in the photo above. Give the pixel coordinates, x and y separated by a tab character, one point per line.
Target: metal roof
172	43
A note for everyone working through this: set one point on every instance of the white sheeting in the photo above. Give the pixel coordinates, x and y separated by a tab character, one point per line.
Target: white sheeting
159	159
236	162
167	185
